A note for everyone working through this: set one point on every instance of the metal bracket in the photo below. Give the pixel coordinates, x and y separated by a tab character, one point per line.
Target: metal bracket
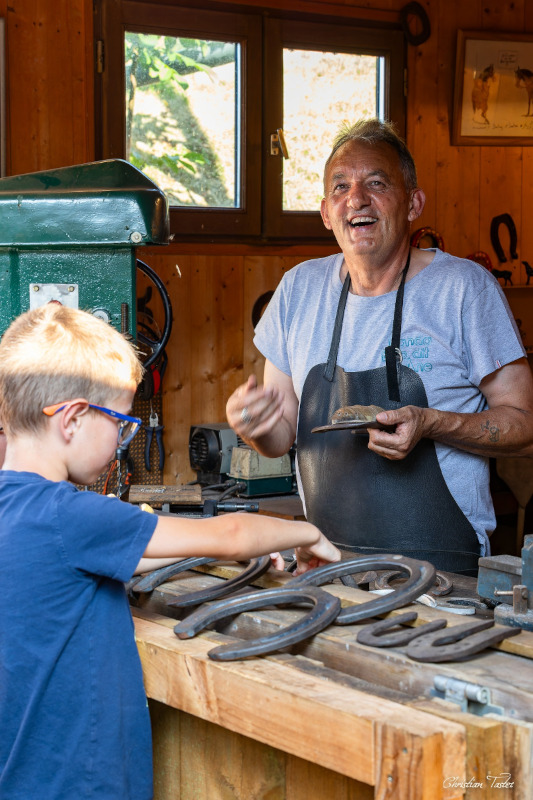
470	697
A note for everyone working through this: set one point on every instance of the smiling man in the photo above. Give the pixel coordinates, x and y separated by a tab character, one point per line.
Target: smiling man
422	334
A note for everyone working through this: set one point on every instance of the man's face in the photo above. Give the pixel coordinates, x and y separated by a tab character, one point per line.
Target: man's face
366	203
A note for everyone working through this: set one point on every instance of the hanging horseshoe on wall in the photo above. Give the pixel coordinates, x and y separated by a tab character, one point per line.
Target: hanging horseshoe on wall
418	11
431	233
503	219
259	306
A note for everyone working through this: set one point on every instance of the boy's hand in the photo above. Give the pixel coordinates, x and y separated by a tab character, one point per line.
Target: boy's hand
278	562
323	552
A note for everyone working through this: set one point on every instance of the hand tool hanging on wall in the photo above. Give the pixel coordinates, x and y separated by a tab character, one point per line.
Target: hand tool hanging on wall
152	427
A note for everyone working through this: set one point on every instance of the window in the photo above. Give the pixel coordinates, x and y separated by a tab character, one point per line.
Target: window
233	114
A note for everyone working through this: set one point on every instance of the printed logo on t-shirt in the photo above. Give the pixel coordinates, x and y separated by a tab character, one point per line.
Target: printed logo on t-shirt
415	353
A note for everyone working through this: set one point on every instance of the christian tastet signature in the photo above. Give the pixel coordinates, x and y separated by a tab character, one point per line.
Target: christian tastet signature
502	781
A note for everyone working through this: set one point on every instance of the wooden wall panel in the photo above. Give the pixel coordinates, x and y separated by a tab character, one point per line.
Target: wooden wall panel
49	84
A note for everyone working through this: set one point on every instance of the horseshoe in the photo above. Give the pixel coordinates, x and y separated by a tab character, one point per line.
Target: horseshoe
460	642
418	11
147	583
503	219
326	608
482	258
442	585
256	568
421	576
435	237
375	635
259	306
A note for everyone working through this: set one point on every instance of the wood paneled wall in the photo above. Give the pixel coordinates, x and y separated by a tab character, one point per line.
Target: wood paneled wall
50	114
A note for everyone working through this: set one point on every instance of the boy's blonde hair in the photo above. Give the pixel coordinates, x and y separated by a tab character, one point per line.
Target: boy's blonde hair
54	354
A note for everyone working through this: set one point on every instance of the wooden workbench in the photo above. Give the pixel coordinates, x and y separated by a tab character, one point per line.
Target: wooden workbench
329	720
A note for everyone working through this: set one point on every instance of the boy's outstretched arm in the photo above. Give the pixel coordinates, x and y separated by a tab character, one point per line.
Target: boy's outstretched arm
237	537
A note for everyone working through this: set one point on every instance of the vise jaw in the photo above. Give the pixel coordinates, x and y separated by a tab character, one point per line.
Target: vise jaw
508	581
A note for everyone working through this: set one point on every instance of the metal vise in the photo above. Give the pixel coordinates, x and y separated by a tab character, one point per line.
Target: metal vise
508	581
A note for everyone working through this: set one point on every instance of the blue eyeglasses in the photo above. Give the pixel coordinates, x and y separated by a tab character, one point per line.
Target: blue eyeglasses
128	426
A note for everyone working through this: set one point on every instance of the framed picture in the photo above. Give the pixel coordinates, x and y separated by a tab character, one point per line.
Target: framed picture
493	96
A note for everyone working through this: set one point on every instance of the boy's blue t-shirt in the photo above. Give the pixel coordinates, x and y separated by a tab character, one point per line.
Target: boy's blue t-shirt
74	715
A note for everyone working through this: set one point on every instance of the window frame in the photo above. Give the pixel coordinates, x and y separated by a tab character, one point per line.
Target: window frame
283	33
119	17
262	35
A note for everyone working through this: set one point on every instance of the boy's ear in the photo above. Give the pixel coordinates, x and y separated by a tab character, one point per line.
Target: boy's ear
70	417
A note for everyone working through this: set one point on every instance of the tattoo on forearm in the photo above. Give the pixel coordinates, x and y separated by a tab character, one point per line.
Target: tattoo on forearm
492	430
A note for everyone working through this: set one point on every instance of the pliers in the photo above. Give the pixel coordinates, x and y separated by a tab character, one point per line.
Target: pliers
154	426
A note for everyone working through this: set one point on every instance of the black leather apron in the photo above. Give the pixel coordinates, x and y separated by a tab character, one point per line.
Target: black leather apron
362	501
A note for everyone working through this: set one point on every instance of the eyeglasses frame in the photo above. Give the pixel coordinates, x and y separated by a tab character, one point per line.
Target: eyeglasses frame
50	411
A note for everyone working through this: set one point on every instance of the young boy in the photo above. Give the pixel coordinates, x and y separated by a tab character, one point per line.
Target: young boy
74	717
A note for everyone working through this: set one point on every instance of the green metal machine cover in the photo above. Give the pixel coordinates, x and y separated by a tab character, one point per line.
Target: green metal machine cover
70	234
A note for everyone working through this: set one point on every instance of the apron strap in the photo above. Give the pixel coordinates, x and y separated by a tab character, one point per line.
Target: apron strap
335	339
393	352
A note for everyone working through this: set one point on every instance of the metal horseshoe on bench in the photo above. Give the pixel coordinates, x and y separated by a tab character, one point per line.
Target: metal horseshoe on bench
421	575
459	642
256	568
325	608
379	634
147	583
442	585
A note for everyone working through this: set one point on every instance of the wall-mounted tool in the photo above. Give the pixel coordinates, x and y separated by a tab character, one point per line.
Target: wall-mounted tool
508	581
154	427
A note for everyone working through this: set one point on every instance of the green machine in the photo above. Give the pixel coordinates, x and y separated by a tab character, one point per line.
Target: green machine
71	235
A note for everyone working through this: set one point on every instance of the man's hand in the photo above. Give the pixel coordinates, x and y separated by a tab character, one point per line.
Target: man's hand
254	411
323	552
411	426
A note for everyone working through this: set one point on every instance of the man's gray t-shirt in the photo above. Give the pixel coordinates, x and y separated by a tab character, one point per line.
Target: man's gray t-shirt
457	328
